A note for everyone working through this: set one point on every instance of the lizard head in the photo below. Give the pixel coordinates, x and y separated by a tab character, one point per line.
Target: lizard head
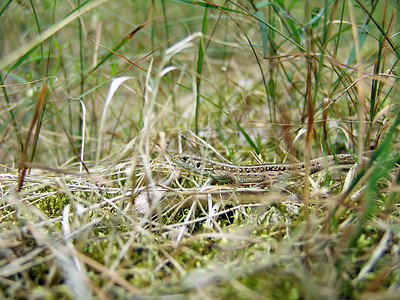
191	162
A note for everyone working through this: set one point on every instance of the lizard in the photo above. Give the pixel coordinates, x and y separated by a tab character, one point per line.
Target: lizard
263	173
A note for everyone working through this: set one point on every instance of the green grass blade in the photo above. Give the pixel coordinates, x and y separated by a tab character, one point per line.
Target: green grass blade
263	31
248	139
200	68
362	35
208	5
3	9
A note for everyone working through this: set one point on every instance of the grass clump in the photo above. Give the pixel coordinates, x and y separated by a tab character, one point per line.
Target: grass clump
96	96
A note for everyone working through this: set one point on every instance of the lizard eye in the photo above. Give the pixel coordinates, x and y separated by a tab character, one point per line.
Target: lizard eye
185	158
198	165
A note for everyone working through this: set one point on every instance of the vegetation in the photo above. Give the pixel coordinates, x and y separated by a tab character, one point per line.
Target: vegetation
96	96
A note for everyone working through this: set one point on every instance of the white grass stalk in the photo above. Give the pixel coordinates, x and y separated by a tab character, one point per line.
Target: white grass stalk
116	82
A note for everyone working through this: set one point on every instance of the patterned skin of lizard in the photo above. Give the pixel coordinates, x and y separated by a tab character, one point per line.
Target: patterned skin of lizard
265	173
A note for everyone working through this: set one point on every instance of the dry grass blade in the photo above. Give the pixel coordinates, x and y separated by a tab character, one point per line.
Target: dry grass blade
38	111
